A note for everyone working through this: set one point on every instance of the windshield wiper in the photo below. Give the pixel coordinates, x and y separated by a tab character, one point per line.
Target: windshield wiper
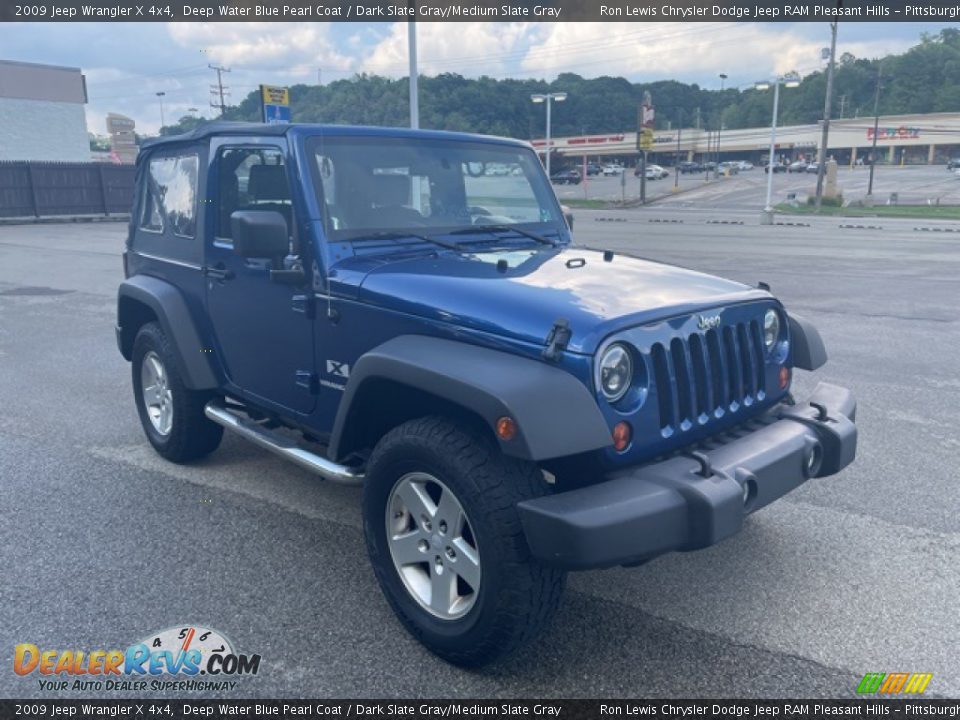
504	229
400	235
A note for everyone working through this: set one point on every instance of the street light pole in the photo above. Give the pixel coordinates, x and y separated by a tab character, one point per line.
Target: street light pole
414	96
716	170
676	162
160	95
790	80
548	98
876	128
822	166
768	208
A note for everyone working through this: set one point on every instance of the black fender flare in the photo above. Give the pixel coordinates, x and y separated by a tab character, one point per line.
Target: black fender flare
806	346
556	414
170	307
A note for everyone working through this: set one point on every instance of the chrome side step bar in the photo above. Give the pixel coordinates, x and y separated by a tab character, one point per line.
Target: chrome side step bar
282	446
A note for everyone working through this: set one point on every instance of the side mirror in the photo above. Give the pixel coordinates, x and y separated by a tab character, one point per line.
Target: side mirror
260	234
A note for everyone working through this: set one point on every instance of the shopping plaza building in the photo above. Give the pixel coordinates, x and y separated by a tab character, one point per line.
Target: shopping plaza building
900	139
42	113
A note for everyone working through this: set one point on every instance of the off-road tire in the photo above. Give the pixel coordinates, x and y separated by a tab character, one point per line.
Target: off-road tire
192	435
517	596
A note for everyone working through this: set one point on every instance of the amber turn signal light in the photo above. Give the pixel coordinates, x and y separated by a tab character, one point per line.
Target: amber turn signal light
622	433
506	428
784	377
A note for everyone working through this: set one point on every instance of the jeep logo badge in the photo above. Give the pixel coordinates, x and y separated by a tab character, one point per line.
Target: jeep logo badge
708	322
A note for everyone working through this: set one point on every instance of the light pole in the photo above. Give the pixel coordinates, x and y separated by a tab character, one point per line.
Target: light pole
716	170
549	99
160	95
790	80
676	162
876	127
828	100
414	77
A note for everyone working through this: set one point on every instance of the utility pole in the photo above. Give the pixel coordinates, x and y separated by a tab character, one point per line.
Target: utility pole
822	165
876	127
843	104
218	90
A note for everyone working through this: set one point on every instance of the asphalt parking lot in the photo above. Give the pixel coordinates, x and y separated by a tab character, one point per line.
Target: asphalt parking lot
102	542
914	184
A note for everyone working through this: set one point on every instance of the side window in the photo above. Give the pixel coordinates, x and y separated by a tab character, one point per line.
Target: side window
170	196
251	179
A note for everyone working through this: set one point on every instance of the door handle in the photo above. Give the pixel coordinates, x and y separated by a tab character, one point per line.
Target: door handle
218	272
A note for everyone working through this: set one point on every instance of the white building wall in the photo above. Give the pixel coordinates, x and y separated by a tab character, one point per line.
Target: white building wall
43	130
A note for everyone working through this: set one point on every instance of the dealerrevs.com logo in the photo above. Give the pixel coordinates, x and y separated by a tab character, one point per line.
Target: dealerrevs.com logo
171	660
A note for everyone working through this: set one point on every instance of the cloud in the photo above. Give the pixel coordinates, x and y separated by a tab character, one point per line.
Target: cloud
655	51
296	48
469	49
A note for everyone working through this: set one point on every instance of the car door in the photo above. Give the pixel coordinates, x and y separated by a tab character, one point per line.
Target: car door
262	328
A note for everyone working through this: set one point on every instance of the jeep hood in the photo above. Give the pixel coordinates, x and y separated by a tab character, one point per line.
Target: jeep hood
521	293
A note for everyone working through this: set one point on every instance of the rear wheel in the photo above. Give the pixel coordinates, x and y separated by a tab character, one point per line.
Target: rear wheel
171	414
446	544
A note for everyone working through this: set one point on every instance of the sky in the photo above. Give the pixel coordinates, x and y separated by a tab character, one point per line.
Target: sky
126	64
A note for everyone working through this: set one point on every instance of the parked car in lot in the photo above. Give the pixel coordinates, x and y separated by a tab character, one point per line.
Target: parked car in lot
728	168
653	172
953	163
566	177
612	169
777	168
797	166
813	167
745	165
378	310
593	169
688	167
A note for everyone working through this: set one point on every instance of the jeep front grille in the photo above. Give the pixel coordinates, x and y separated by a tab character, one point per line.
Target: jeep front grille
707	375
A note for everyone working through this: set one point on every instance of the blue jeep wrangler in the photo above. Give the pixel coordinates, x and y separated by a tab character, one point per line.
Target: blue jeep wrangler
404	310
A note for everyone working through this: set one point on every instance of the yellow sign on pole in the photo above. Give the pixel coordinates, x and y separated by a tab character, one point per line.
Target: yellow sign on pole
275	102
646	139
275	95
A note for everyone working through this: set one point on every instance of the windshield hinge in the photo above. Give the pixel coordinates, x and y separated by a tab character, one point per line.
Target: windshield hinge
557	339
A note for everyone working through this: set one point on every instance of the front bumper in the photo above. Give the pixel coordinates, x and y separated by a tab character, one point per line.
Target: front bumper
696	499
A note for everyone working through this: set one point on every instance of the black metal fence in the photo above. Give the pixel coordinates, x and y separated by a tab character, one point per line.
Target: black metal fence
48	189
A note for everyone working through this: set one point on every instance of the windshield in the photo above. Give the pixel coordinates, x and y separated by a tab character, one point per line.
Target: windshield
418	185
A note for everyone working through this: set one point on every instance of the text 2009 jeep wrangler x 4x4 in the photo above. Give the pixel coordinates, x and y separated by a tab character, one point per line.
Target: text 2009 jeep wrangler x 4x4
404	310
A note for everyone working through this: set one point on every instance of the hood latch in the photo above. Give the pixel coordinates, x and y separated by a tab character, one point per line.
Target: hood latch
557	339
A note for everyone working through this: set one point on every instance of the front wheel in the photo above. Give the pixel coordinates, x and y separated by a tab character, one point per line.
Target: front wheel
446	544
171	413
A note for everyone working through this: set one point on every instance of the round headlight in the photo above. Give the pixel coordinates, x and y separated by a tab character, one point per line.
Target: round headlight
616	372
771	328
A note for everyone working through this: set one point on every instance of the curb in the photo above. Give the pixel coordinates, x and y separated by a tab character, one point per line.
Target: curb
724	222
664	220
938	229
610	219
53	219
861	227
